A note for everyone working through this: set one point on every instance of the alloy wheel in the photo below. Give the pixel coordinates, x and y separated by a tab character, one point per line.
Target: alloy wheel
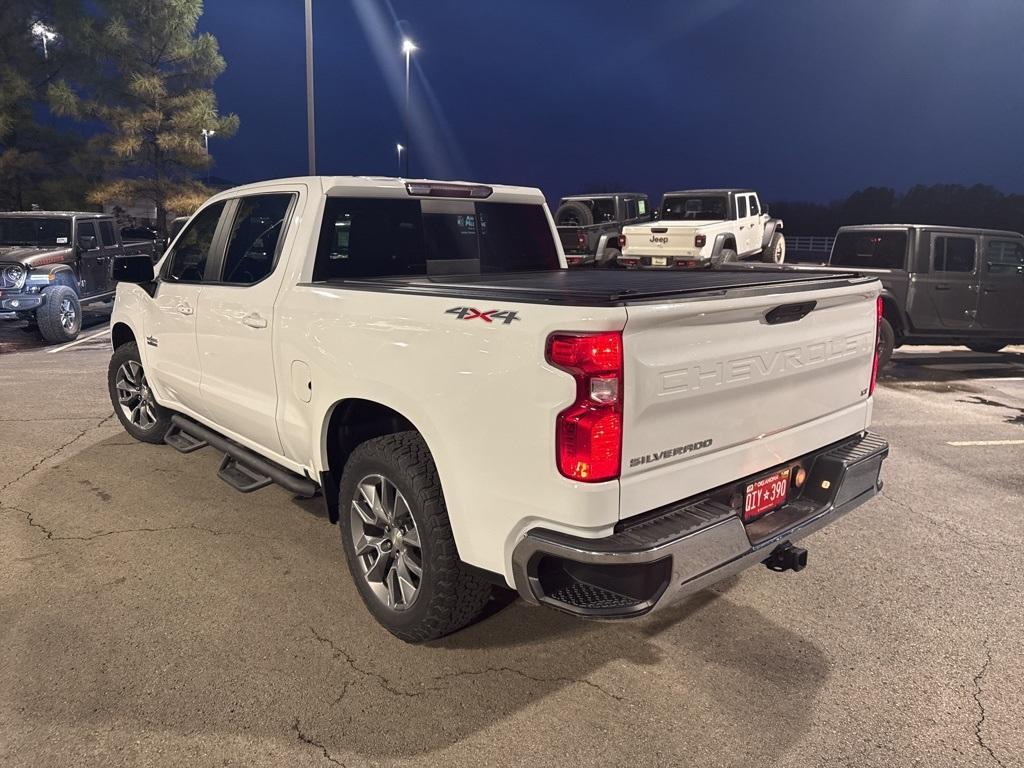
68	314
386	542
134	395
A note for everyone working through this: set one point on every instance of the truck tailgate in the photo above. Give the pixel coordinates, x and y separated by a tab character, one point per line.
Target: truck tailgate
715	392
661	237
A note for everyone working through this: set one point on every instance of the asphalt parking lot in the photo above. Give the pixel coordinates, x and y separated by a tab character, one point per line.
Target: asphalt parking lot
150	615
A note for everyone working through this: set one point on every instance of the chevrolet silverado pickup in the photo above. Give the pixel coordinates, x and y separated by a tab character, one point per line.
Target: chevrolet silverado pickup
476	415
701	228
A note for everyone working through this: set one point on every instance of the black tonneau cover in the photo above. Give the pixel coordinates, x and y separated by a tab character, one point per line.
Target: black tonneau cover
601	287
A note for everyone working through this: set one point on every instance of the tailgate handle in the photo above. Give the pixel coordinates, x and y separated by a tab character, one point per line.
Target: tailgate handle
789	313
659	230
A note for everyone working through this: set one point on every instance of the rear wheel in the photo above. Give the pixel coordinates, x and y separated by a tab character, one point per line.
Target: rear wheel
886	342
610	258
985	346
60	317
398	541
132	397
727	256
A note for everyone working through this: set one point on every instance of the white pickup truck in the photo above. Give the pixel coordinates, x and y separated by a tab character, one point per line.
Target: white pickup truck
699	228
475	414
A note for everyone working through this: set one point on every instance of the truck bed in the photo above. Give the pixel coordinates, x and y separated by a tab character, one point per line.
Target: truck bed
600	288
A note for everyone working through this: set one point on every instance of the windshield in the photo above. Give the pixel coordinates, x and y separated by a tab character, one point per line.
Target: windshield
35	231
701	208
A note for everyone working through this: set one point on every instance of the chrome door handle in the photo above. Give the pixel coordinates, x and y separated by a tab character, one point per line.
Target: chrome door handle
254	321
185	308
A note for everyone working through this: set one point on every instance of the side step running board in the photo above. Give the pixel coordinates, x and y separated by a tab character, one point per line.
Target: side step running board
241	468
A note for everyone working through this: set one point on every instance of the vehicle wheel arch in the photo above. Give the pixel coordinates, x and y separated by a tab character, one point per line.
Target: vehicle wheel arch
347	424
891	312
770	228
120	334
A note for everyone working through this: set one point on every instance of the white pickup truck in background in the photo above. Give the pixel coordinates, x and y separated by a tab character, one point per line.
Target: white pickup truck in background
474	414
700	228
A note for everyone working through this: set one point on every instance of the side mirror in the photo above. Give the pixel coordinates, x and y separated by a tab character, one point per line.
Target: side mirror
133	269
86	242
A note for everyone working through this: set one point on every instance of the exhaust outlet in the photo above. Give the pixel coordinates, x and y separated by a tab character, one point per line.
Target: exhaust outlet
786	557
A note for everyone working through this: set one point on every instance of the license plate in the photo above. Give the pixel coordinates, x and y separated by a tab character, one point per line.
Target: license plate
766	494
659	261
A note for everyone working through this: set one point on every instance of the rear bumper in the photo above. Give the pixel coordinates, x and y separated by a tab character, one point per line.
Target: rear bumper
694	261
662	556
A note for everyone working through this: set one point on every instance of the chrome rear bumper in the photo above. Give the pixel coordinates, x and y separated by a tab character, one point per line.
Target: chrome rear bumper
660	557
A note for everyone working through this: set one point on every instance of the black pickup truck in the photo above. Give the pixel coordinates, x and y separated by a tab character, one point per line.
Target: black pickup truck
53	262
941	285
589	225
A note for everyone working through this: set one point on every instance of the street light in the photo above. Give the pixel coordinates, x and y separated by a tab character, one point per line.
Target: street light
45	35
408	46
207	133
399	147
310	129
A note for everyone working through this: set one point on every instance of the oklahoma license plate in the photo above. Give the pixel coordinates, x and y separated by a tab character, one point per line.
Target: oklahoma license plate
766	494
658	261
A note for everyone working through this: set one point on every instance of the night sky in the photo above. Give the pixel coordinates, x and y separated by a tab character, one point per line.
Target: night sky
800	99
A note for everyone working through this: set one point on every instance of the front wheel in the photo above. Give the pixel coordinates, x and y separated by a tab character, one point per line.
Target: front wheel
398	541
132	397
60	317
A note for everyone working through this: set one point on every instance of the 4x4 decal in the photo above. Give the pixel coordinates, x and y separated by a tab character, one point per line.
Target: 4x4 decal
507	316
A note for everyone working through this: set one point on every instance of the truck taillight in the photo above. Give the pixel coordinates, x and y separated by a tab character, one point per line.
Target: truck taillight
588	434
699	241
622	242
581	240
878	340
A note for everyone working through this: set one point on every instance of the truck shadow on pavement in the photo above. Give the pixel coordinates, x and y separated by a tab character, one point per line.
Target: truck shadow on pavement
161	602
945	369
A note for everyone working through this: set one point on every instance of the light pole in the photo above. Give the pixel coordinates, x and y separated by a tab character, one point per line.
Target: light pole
310	130
399	147
408	46
207	133
45	35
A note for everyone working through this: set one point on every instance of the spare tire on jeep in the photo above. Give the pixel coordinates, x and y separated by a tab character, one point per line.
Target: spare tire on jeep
573	213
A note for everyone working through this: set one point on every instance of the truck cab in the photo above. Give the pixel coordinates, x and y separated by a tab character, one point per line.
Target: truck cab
941	285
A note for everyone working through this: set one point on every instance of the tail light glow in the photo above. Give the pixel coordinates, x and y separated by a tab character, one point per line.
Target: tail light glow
581	240
588	434
622	242
699	241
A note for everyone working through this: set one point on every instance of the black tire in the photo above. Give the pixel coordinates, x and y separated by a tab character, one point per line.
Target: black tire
60	317
610	258
573	213
145	429
886	342
448	596
775	253
989	347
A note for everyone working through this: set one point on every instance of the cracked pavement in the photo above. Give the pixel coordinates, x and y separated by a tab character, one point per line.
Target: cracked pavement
150	615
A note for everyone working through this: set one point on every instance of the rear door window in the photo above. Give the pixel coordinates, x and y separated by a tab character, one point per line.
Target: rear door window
375	237
88	229
629	207
107	237
879	249
953	254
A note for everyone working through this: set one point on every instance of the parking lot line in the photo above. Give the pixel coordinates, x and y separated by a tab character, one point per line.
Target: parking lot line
963	443
76	342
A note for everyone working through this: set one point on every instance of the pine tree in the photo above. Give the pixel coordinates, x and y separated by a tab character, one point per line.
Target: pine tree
36	158
150	86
